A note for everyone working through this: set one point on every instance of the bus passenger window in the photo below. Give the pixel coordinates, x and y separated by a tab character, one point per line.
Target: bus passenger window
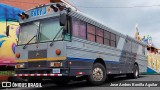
107	36
79	28
91	32
99	35
113	40
113	43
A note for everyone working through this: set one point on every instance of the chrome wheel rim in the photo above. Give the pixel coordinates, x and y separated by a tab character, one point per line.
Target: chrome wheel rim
97	74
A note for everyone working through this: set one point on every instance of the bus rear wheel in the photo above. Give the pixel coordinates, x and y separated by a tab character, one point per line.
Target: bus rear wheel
135	73
98	75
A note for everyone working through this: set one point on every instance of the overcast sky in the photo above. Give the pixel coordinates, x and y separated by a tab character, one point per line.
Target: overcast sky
123	15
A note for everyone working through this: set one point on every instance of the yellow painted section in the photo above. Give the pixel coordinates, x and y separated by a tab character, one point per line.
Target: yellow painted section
154	61
8	46
42	59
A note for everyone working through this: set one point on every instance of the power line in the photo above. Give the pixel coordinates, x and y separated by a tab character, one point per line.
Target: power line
149	6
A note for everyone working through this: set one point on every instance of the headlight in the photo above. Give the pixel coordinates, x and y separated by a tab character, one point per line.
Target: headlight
20	65
55	64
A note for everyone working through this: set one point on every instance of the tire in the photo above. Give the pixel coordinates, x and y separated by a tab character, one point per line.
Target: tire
61	81
97	69
135	73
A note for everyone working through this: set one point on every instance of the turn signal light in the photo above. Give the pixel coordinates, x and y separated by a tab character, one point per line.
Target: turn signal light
21	16
26	15
60	7
58	51
18	55
54	8
55	64
20	65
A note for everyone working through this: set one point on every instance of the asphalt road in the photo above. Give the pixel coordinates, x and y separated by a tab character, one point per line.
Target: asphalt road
83	85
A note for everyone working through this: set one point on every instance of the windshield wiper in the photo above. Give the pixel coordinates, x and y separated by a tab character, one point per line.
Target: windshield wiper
29	41
56	36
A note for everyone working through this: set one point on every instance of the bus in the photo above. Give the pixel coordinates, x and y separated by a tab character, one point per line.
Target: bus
61	44
8	21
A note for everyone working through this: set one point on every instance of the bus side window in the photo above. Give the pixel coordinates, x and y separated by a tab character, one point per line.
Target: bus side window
99	35
68	27
79	28
113	40
107	37
91	32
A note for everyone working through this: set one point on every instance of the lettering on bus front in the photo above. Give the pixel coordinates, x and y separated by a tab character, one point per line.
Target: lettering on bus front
38	12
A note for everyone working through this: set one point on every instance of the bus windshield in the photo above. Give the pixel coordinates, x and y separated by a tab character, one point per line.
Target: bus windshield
47	30
27	32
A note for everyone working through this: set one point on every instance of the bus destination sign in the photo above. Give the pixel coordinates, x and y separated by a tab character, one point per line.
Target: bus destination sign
40	11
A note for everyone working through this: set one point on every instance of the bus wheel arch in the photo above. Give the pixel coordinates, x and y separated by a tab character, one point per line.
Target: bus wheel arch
101	61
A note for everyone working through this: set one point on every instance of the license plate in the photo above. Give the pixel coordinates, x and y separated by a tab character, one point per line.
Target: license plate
57	70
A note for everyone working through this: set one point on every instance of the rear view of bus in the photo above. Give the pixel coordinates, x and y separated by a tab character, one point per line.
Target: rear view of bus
41	50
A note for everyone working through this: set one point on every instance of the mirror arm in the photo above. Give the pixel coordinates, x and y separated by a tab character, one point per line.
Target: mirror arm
7	30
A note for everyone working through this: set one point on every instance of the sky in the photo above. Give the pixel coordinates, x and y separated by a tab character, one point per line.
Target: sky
123	15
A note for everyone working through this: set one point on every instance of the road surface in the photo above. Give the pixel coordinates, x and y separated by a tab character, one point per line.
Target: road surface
83	85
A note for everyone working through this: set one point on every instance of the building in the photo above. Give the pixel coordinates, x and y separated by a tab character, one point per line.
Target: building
26	4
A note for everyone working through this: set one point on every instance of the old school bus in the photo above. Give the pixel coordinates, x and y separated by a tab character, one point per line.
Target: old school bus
62	44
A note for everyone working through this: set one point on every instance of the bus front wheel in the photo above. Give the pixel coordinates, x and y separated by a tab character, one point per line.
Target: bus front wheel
98	75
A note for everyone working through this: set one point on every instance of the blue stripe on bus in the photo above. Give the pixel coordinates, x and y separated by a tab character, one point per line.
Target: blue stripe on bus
80	59
88	60
113	62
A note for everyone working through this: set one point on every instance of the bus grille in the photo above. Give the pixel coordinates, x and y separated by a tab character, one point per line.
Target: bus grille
37	54
37	64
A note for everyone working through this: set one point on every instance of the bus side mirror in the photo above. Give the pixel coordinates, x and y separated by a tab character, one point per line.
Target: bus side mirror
62	19
7	30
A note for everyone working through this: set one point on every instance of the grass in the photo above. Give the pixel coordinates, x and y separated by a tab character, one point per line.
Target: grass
7	73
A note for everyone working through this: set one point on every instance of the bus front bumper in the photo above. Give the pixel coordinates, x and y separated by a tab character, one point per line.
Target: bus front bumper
28	75
46	72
